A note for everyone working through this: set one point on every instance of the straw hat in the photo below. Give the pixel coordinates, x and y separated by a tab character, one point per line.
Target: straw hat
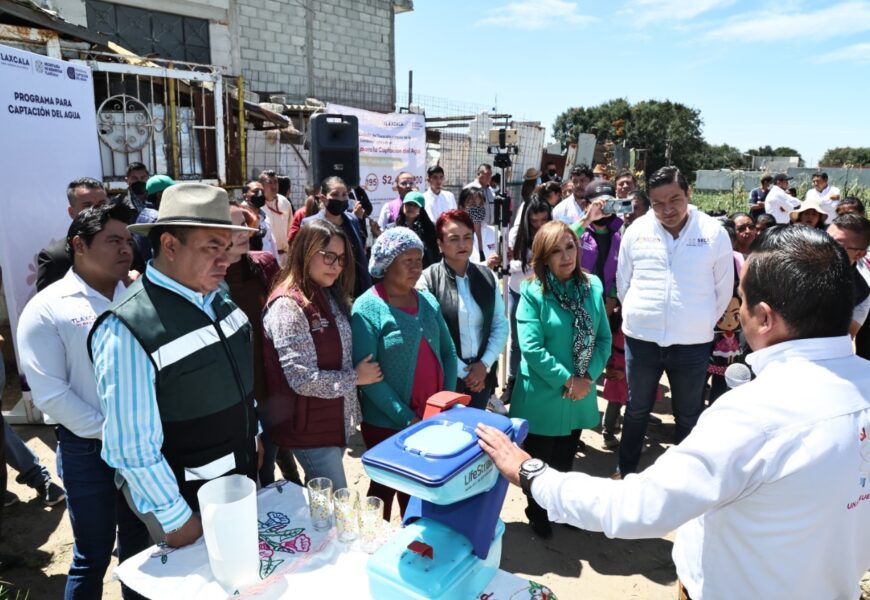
192	205
531	173
809	204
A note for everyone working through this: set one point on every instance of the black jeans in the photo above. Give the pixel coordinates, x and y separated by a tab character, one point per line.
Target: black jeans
557	452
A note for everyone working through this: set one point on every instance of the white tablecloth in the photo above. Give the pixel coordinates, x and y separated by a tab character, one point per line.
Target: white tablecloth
295	562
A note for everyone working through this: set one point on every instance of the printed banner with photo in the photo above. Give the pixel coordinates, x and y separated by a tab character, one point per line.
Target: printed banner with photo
388	144
48	120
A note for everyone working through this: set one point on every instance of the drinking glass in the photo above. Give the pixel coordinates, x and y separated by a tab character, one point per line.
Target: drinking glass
320	502
371	518
346	514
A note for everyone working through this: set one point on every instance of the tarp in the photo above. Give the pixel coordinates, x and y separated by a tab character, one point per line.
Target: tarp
388	143
49	127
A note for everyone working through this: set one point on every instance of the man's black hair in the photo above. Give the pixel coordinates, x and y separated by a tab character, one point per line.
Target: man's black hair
667	176
91	221
136	166
853	201
283	185
582	169
85	182
625	173
179	232
768	179
483	167
804	275
640	195
855	224
765	219
434	170
821	175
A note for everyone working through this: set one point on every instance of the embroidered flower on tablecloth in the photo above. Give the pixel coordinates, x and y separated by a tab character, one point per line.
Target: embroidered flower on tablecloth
300	543
275	521
266	550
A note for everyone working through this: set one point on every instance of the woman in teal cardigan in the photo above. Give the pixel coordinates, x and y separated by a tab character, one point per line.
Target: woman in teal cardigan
565	341
401	329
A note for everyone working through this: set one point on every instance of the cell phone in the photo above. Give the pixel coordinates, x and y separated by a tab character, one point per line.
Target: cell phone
615	206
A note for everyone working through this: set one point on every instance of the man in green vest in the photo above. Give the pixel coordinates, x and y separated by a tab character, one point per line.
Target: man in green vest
174	364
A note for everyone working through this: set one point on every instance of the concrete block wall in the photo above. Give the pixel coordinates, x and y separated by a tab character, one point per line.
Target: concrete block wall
334	50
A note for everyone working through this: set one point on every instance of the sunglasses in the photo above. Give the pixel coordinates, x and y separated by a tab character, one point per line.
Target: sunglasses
329	258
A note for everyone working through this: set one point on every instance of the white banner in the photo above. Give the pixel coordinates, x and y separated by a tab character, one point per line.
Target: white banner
388	144
48	120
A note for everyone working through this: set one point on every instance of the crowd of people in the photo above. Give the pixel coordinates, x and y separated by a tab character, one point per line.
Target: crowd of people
179	335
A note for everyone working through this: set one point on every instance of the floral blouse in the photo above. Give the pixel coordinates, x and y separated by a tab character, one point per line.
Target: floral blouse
291	334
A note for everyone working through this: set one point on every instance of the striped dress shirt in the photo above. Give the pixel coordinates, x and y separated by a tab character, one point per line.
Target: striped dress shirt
132	431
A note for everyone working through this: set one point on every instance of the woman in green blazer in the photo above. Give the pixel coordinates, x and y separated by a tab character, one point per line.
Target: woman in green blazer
565	341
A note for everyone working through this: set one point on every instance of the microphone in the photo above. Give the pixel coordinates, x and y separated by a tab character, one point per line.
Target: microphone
737	374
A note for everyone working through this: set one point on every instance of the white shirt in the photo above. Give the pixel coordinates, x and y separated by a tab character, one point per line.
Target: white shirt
470	318
770	492
673	291
52	345
490	244
280	223
515	267
569	211
438	203
824	197
779	204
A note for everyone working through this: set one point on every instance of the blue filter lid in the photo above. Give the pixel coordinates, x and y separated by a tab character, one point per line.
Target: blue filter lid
436	449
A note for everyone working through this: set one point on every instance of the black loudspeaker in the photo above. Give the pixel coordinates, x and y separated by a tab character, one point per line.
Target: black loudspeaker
335	148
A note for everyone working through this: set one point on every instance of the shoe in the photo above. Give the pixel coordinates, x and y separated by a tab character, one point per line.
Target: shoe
54	494
654	419
610	441
508	391
496	405
581	446
9	499
542	528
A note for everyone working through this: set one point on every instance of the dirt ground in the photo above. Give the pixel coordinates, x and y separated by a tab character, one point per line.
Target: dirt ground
574	563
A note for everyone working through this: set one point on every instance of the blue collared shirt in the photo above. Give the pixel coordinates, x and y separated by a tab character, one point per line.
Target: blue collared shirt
132	431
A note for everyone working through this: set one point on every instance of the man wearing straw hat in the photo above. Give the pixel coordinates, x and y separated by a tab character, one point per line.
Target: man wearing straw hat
173	359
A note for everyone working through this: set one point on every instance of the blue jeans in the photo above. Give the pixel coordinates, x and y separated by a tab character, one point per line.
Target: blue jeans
22	459
96	508
686	367
322	462
514	349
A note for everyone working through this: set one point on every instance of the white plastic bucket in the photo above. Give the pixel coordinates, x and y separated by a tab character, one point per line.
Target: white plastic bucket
228	506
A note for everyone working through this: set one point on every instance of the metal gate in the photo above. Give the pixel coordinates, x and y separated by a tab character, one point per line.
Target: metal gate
168	118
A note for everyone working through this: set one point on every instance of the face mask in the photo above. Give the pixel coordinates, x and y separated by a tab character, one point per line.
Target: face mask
477	213
336	207
605	221
137	188
258	200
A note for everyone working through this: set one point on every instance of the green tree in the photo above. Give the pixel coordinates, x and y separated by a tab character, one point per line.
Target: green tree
670	132
770	151
598	120
840	157
722	156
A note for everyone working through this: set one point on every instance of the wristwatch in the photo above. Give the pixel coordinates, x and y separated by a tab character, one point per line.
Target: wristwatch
530	469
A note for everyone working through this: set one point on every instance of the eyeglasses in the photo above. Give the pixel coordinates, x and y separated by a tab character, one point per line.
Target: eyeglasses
408	183
329	258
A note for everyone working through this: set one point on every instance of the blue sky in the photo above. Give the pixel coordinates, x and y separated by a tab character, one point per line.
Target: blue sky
785	73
